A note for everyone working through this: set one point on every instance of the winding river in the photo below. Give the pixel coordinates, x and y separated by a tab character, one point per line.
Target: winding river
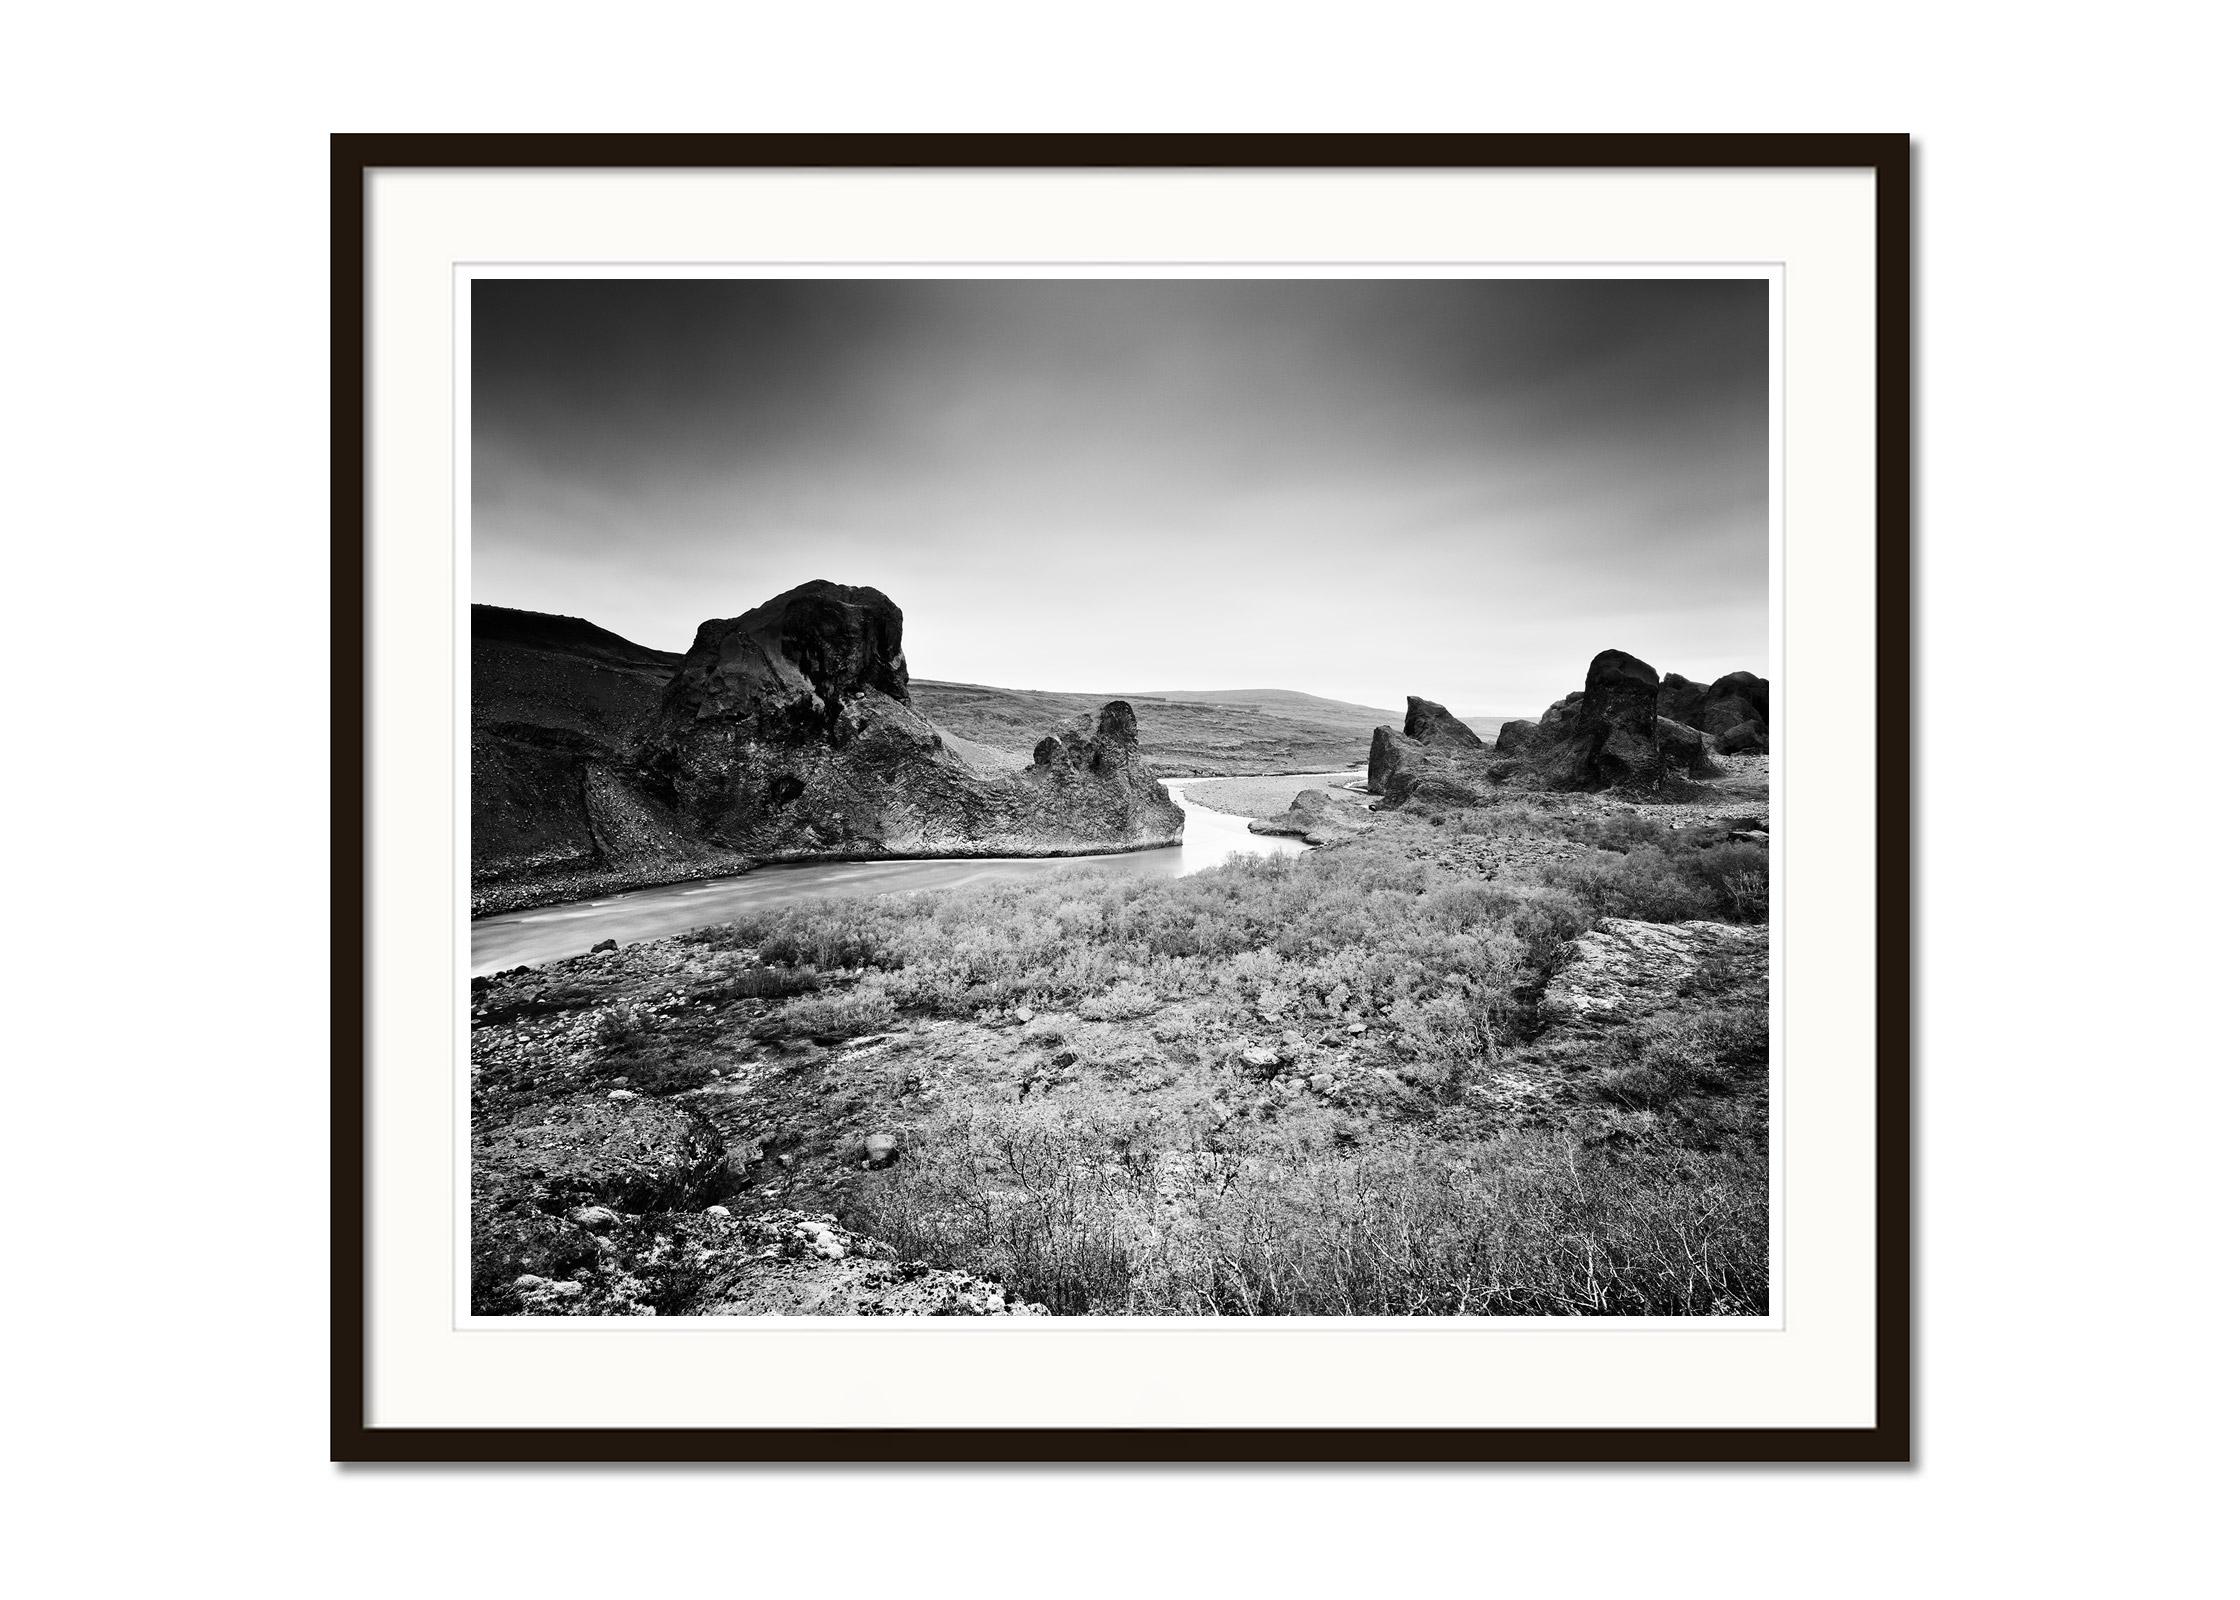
529	938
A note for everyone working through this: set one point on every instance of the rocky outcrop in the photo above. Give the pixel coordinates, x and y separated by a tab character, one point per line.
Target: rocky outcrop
786	732
1515	736
1737	701
1684	750
1616	733
1744	739
1605	736
1681	699
1429	722
1616	741
1737	698
557	706
1432	746
1317	816
1626	970
789	732
1386	756
1620	731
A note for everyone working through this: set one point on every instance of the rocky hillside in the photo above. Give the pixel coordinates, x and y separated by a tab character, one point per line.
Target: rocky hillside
788	731
558	706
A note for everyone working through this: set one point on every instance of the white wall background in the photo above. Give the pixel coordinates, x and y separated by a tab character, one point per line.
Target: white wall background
165	504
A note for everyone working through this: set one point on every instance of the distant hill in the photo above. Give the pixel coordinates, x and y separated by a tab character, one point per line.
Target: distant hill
538	630
563	673
1277	702
1187	733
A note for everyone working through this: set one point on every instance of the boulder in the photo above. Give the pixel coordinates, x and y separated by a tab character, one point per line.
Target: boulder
1428	722
1681	699
1734	701
1515	737
1608	735
1560	718
1317	816
1622	692
1737	698
1684	750
1432	745
1610	739
1745	739
1259	1061
1387	755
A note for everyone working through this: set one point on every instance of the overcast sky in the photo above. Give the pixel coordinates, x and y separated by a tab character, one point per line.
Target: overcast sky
1364	489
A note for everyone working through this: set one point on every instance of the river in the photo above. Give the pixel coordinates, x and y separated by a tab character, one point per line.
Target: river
530	938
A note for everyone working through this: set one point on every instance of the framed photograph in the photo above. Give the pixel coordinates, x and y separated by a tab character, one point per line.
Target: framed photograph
1141	798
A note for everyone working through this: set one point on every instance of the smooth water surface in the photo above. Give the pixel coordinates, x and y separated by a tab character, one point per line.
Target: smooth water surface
529	938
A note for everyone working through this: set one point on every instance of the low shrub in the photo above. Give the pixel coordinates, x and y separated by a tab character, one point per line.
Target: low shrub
620	1025
762	983
1091	1216
1714	1051
844	1014
1667	879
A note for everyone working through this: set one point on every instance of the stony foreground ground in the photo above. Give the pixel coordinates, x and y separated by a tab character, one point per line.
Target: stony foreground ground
1042	1101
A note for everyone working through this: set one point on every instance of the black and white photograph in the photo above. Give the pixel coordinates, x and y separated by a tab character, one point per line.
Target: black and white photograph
1145	796
1205	798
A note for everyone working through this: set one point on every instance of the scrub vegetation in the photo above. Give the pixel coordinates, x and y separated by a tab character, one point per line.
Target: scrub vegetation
1500	1060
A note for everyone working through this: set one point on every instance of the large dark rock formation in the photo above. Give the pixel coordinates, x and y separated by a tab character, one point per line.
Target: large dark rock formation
1432	746
789	668
1740	700
1681	699
1515	736
1737	698
789	731
1617	737
1432	723
1610	735
1685	750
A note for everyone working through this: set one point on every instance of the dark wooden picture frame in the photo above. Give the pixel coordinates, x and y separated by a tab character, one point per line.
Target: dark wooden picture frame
355	157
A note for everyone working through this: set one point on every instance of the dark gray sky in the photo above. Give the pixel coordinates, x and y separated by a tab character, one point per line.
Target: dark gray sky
1364	488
